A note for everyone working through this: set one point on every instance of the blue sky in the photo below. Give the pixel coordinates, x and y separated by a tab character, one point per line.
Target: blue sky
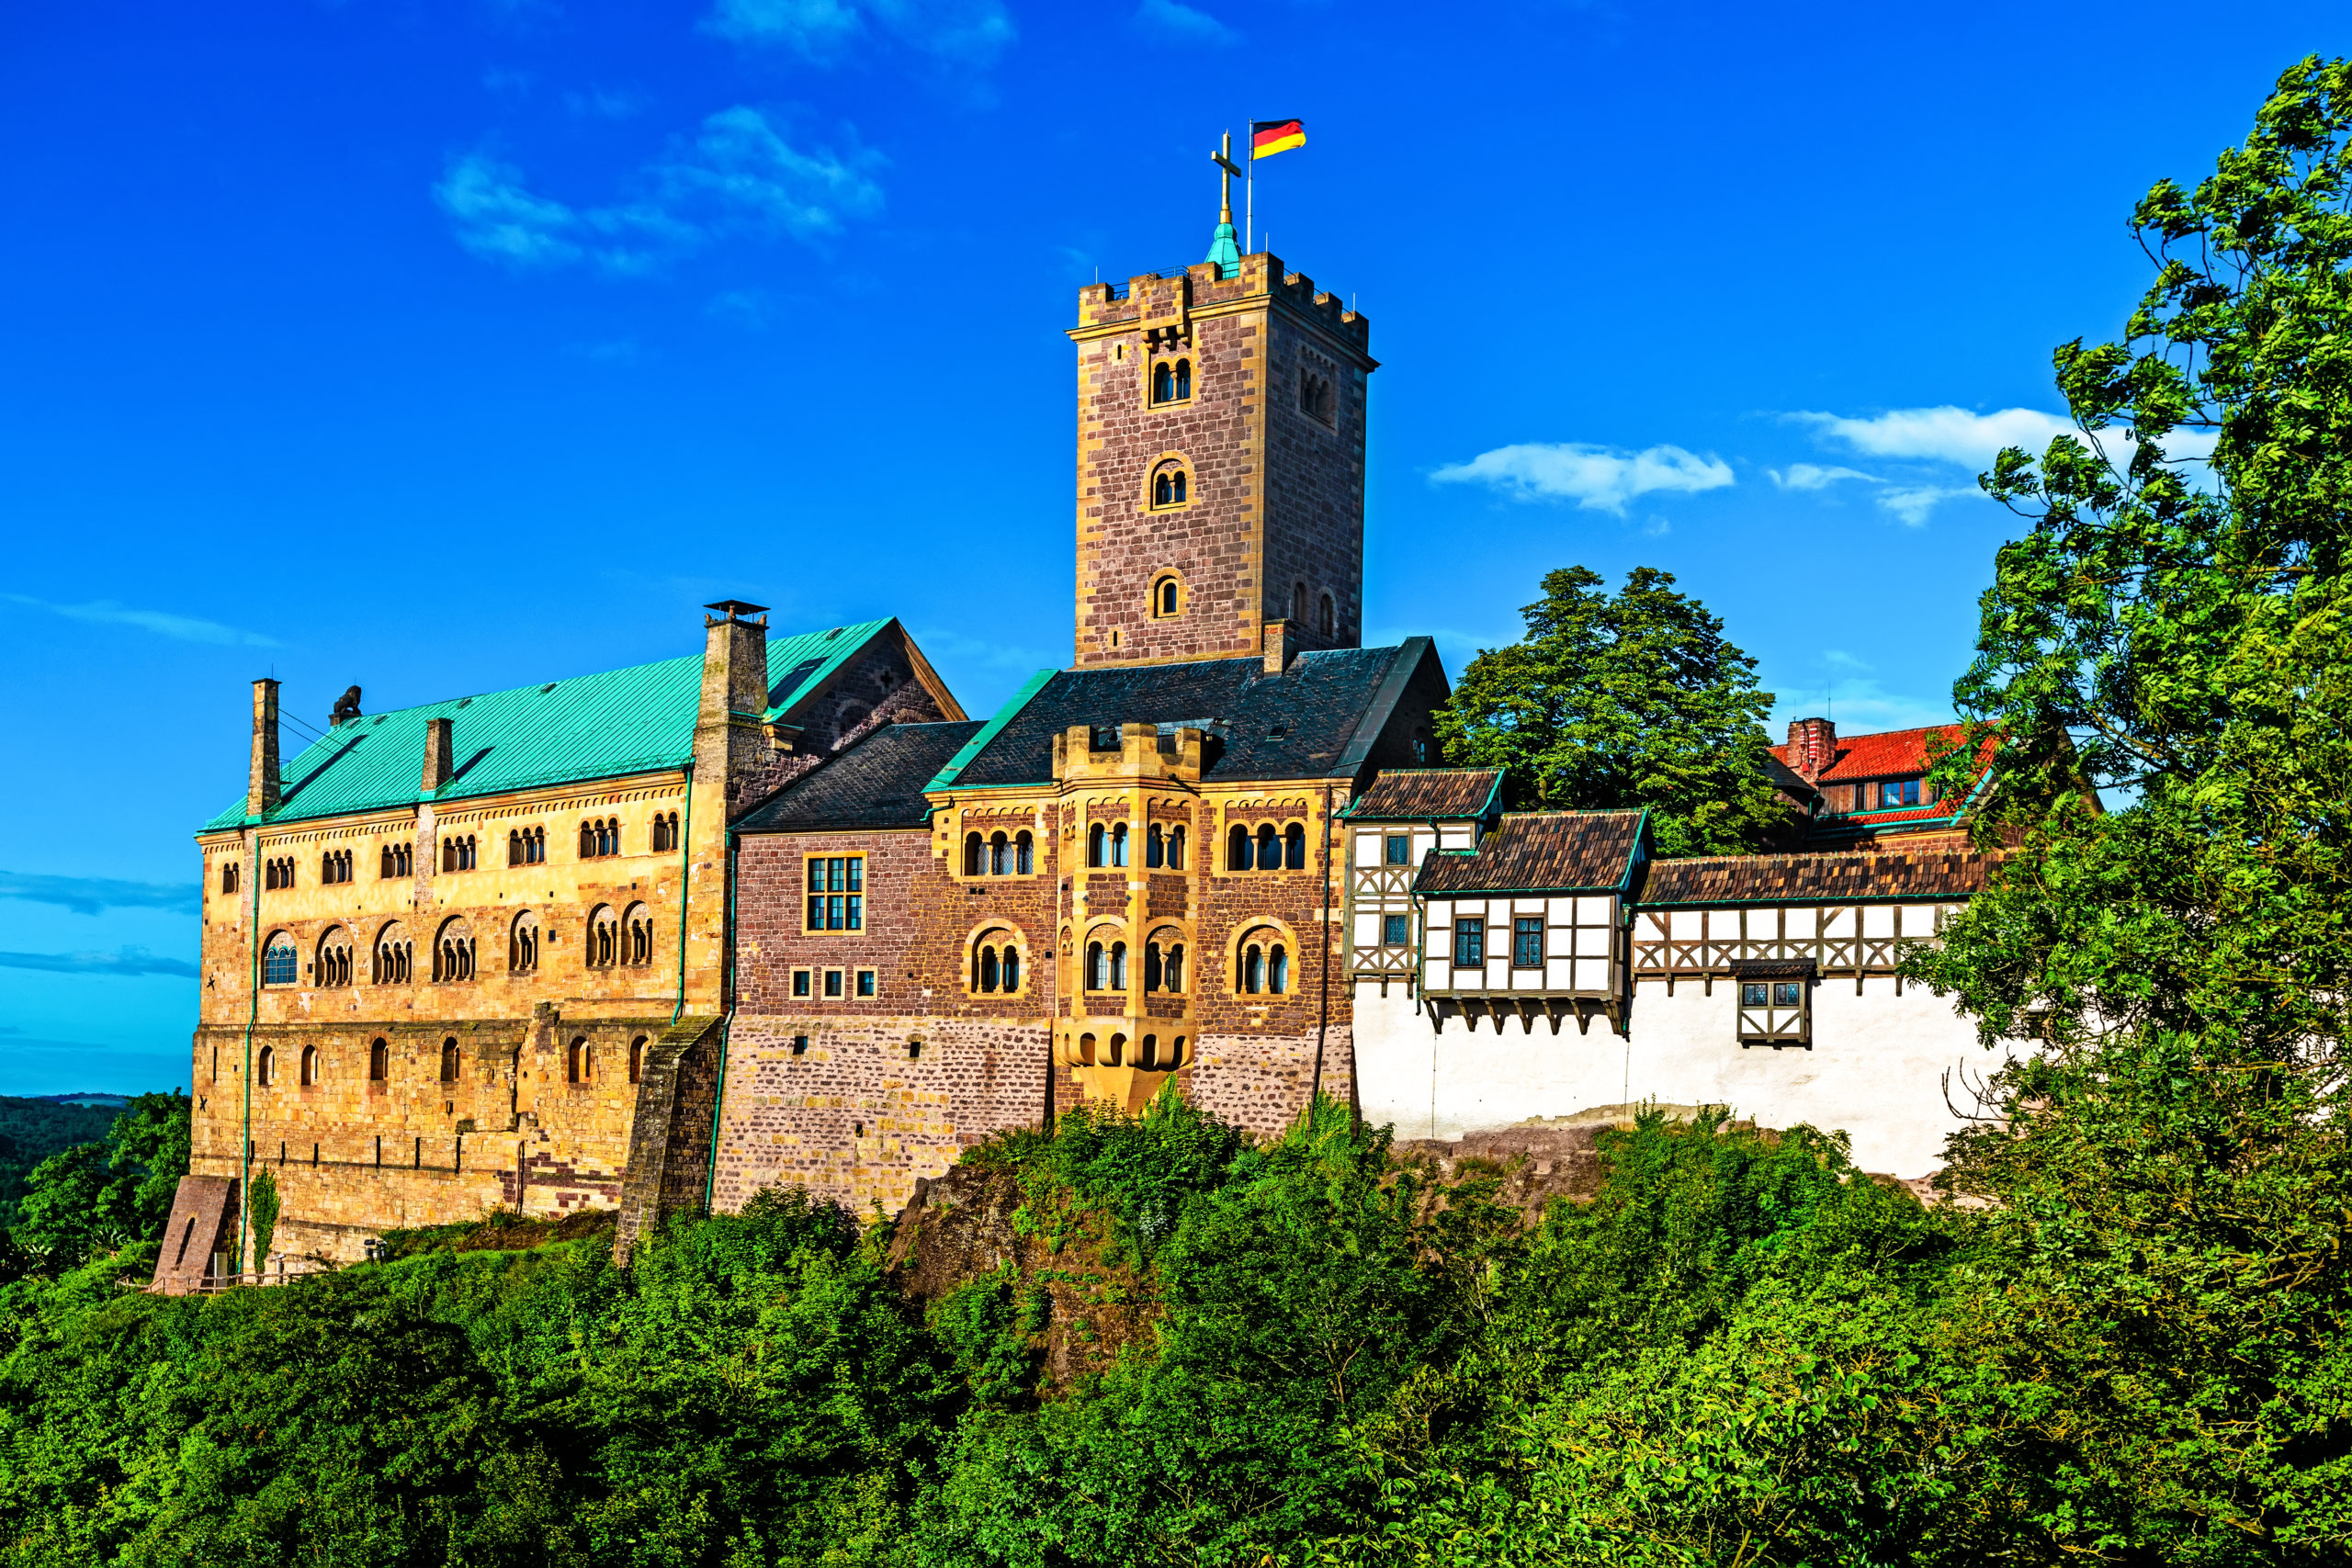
441	347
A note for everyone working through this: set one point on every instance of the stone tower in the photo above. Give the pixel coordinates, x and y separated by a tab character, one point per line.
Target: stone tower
1220	465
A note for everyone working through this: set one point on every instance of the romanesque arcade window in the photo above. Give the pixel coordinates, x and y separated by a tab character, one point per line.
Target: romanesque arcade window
227	877
1000	855
453	951
397	859
1315	399
458	852
836	893
1107	966
996	963
1171	381
526	846
334	866
1163	847
637	936
394	955
1163	962
449	1060
523	943
379	1060
332	966
604	948
1171	484
1269	849
600	837
666	832
279	960
1106	844
278	873
1261	964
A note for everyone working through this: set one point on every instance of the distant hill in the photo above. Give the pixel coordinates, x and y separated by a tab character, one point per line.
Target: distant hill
32	1129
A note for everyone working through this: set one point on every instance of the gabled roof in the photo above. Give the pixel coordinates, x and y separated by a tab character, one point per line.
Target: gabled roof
1815	878
877	783
1316	720
639	719
1541	851
1890	753
1416	794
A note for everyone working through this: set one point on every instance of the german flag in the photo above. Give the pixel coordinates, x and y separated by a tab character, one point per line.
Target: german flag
1268	137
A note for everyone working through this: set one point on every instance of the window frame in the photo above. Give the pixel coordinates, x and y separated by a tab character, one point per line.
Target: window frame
1399	924
1470	942
1774	1021
1522	929
847	900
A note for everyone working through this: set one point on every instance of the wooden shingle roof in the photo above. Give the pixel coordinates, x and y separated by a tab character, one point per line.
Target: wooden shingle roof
1816	878
1416	794
1541	851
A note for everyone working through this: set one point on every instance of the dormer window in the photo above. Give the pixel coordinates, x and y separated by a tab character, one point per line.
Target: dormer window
1894	791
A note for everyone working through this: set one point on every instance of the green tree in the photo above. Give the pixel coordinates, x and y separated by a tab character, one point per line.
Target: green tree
260	1213
106	1194
1613	701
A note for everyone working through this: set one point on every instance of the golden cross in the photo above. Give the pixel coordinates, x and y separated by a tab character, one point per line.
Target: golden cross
1224	159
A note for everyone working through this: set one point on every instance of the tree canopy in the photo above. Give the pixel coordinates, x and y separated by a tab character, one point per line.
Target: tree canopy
1623	701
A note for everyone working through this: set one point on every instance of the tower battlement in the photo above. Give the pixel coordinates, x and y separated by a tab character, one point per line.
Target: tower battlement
1152	300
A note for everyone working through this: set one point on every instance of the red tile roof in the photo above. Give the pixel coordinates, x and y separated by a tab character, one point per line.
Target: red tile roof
1416	794
1830	878
1545	851
1890	753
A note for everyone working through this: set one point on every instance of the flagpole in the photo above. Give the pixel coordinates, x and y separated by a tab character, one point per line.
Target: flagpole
1249	191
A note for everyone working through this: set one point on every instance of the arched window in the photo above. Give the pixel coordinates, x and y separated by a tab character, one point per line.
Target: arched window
266	1066
513	847
1118	966
1000	855
1155	847
1025	852
453	951
1299	605
379	1060
1294	846
1167	606
1183	481
1173	971
1171	483
580	1061
279	961
1152	970
1119	844
1269	854
637	936
1086	1050
1163	489
393	955
1329	624
666	832
309	1065
1236	849
1098	967
971	854
1253	969
227	877
1094	844
636	1059
1176	848
1118	1049
1184	379
987	973
1278	970
449	1060
1010	973
1163	382
603	948
523	943
333	962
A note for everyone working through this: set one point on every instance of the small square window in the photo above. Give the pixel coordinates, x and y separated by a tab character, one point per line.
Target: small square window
1787	993
800	982
1469	943
1527	942
801	1045
1395	930
1755	994
833	983
1400	849
865	979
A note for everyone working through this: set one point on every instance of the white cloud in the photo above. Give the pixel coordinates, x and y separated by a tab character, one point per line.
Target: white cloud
1600	479
1811	475
1173	22
739	176
1945	434
184	628
963	32
1849	694
1913	502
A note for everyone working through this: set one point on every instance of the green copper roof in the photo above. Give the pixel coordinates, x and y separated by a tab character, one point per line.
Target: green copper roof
1224	249
635	720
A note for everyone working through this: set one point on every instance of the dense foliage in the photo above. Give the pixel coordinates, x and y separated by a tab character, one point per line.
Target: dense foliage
31	1131
1621	701
102	1192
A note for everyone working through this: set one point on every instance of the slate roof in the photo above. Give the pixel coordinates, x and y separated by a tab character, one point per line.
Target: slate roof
1541	851
635	720
1890	753
1416	794
1809	878
877	783
1317	719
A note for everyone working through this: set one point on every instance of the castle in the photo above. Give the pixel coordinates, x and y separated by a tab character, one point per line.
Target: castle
657	938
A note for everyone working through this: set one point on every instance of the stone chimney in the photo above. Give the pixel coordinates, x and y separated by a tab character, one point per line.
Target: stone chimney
261	774
731	735
440	754
1277	647
1813	747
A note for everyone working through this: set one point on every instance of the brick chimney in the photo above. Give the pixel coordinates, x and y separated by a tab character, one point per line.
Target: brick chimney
440	754
1279	646
261	775
1813	747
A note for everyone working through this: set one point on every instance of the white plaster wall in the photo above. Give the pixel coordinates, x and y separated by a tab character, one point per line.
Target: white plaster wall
1876	1069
